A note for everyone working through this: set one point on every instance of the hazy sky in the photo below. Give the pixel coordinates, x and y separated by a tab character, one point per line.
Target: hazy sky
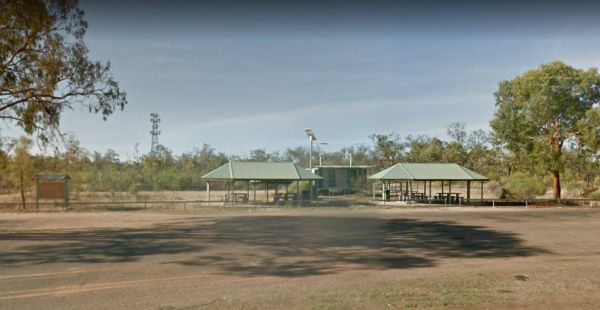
241	75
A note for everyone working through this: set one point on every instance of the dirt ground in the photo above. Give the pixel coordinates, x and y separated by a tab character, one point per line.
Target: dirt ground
350	258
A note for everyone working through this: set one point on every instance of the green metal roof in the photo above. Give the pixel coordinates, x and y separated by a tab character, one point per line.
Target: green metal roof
260	171
429	172
344	167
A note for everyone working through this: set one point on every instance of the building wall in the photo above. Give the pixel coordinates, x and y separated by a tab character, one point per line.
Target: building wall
339	178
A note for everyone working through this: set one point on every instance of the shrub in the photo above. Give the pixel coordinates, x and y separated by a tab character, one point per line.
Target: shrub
595	195
523	186
578	188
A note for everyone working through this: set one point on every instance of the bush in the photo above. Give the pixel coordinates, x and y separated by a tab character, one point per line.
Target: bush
578	188
595	195
523	186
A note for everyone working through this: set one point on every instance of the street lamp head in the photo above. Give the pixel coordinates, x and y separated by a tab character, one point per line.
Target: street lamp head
310	134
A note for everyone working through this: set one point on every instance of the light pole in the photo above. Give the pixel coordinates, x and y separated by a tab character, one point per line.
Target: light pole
311	138
320	152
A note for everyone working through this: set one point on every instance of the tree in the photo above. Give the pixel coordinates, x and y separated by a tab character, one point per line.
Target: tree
44	67
21	168
387	149
589	127
538	113
457	132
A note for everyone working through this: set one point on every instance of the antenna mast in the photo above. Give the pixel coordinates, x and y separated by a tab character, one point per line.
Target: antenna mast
155	119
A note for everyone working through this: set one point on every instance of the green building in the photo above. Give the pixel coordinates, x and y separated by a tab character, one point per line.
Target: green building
341	179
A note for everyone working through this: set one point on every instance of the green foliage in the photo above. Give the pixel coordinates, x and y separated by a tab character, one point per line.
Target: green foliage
304	187
44	67
540	110
578	188
21	169
387	149
523	186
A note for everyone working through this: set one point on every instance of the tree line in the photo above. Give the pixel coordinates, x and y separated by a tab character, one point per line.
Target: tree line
545	130
163	170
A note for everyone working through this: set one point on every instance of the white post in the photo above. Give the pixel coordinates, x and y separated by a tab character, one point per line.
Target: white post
373	190
208	192
310	166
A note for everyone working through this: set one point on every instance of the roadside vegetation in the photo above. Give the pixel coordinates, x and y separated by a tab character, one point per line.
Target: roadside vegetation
545	132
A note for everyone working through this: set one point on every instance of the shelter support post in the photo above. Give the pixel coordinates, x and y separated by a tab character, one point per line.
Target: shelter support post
254	191
481	190
450	190
410	193
298	191
468	191
430	190
383	191
442	187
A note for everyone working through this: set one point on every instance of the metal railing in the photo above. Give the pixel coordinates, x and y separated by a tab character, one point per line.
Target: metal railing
191	205
533	202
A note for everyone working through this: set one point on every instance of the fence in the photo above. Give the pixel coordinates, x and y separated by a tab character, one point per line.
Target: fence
149	205
191	205
569	202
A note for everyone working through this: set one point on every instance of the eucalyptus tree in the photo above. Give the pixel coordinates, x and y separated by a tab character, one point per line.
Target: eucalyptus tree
540	112
45	69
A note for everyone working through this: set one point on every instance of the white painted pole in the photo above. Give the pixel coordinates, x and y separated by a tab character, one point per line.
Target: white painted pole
208	192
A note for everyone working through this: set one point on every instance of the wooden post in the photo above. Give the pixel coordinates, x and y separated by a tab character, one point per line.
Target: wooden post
450	191
66	193
410	193
430	190
37	193
233	192
468	191
254	191
481	190
298	191
383	191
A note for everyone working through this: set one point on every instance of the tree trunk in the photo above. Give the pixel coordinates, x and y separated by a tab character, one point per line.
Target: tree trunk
22	186
556	184
556	142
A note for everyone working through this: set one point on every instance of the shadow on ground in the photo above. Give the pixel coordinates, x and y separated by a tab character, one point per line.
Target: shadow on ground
289	246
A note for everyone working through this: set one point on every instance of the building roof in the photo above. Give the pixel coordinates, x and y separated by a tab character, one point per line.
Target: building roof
344	167
429	172
52	177
260	171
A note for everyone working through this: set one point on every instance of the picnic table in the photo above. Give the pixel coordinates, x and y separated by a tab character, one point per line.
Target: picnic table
449	197
414	195
236	197
284	197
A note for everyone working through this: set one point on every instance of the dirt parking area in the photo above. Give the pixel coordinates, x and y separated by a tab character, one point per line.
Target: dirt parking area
302	259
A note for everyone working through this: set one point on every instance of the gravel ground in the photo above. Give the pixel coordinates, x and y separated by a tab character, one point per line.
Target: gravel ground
298	258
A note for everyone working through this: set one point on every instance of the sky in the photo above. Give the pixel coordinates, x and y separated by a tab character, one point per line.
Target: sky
243	75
